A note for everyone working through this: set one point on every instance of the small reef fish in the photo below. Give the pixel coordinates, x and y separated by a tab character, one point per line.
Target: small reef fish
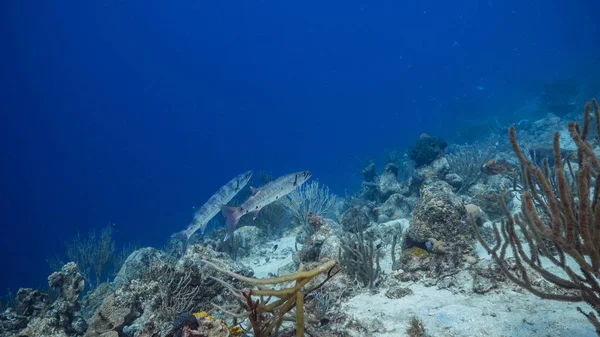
261	197
203	214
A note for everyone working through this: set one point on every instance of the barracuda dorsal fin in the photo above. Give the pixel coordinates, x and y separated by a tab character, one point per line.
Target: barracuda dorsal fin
254	190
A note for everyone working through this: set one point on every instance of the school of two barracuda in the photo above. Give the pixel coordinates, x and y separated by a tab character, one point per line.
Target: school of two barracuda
260	198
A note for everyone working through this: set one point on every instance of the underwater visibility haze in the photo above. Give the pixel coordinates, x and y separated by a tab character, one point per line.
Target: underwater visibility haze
119	117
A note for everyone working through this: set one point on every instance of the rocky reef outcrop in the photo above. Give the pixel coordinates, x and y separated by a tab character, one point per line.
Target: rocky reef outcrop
62	317
439	236
426	150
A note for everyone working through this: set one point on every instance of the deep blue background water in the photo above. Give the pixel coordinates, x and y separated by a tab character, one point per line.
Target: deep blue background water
132	112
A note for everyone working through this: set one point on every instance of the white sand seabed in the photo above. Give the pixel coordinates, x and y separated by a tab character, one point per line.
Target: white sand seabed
502	314
276	259
446	314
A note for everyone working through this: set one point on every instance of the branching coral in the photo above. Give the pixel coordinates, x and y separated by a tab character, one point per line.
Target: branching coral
360	258
560	226
271	307
93	254
467	161
176	291
313	198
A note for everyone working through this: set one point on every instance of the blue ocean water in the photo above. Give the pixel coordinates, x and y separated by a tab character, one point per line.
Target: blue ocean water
132	112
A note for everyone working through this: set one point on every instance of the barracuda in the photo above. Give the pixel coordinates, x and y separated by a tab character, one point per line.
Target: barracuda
261	197
203	214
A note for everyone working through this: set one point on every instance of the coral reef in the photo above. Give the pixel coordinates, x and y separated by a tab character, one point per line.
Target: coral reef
312	246
405	235
150	301
360	258
397	206
388	183
31	302
469	163
265	316
110	319
369	172
487	195
496	166
356	218
60	318
311	198
426	150
136	265
476	213
438	169
94	255
439	219
561	227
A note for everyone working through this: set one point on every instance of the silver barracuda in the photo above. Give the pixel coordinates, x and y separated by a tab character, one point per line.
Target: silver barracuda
203	214
261	197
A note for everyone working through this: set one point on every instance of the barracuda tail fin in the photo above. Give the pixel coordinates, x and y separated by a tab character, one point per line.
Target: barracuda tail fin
183	237
232	217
